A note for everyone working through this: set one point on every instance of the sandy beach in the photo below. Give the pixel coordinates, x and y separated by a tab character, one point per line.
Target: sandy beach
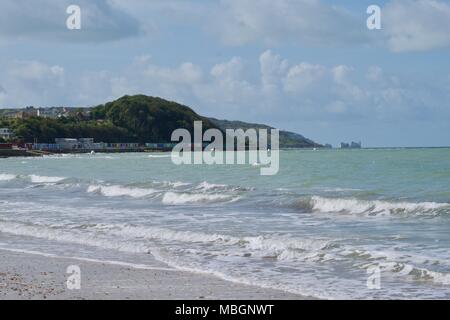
36	277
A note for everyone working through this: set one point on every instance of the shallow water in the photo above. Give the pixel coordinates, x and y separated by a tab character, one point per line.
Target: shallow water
314	229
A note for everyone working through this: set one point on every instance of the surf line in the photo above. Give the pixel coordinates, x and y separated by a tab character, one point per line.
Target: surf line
110	262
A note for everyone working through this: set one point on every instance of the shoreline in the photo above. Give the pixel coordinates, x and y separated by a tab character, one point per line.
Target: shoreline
37	276
10	153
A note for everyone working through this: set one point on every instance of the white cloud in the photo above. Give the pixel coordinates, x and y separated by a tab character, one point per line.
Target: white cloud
239	22
417	25
32	82
35	71
374	73
272	69
228	70
283	91
303	77
337	107
340	73
408	25
46	20
229	85
186	73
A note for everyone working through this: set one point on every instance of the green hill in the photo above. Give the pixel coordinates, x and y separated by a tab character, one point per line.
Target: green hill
149	119
136	118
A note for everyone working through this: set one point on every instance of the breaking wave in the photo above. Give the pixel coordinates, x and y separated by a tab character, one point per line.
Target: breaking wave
44	179
72	236
128	238
175	184
121	191
7	177
206	186
158	233
173	198
210	186
371	207
157	156
171	193
416	273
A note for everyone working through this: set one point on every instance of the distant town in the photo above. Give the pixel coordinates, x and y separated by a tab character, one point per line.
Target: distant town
130	124
51	113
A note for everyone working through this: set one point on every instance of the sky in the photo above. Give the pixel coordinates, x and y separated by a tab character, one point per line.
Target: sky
309	66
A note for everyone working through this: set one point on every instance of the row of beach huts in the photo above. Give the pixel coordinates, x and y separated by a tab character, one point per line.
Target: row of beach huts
88	144
72	145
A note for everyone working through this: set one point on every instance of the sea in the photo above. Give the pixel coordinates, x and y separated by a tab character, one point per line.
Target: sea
332	224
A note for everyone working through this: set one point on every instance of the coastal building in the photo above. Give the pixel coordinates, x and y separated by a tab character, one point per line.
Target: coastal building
22	113
72	143
16	115
355	145
30	112
6	133
51	113
160	146
352	145
123	146
10	114
86	143
67	143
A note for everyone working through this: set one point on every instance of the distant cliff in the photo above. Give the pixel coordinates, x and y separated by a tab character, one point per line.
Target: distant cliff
287	139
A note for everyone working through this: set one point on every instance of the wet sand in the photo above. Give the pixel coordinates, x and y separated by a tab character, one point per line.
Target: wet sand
36	277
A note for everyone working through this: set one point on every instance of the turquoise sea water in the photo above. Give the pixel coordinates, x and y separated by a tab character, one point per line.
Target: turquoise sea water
314	229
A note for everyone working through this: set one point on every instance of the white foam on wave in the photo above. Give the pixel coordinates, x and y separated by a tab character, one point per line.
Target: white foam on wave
175	262
129	239
375	207
157	156
96	240
286	248
280	247
44	179
158	233
411	271
7	177
72	236
173	198
102	235
121	191
176	184
206	186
